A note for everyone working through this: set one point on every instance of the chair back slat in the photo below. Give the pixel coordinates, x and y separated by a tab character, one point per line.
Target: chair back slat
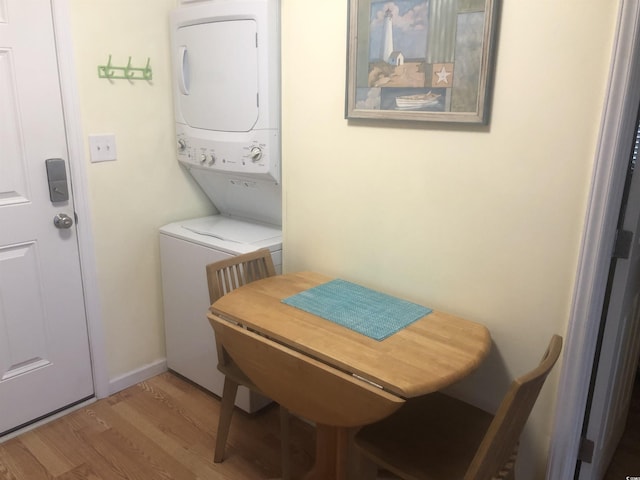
503	434
226	275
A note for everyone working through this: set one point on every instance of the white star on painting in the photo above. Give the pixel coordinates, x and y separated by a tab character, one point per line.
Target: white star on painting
443	75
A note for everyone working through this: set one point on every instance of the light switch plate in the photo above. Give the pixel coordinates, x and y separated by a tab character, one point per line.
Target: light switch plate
102	148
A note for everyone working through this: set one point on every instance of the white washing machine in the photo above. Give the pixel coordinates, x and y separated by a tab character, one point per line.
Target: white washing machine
186	248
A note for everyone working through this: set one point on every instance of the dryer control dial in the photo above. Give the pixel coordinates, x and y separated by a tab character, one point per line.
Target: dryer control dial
256	154
182	145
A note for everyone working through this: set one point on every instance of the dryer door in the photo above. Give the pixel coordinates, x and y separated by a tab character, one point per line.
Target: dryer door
218	88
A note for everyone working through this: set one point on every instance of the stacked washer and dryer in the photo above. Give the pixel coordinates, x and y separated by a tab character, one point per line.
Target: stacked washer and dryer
226	77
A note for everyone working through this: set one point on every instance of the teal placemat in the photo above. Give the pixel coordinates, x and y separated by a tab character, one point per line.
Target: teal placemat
374	314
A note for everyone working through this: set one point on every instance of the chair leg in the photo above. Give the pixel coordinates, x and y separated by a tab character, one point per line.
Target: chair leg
224	423
285	443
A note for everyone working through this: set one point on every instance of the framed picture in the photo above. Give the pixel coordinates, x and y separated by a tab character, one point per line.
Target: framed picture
422	60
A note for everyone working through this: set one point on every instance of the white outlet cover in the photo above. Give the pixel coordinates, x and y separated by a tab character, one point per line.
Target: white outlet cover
102	147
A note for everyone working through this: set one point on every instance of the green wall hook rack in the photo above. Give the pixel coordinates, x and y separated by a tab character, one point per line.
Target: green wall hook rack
128	72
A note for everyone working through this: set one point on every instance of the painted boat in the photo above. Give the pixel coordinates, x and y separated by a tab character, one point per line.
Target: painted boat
419	100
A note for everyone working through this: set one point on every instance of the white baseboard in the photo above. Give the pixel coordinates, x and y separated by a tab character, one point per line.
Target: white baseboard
138	375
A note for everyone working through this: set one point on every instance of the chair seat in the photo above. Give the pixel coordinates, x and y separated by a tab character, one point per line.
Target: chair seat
402	445
437	437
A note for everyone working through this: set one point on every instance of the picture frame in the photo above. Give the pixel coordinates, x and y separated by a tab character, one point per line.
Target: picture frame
420	60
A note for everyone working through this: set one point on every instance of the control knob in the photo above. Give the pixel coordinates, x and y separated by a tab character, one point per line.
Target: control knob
256	154
182	145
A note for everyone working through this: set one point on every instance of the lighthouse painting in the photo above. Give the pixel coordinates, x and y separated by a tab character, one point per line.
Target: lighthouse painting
419	59
397	43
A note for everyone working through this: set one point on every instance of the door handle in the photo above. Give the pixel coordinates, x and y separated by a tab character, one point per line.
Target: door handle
62	221
184	78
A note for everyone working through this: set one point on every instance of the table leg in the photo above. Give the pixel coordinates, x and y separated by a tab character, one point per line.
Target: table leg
332	444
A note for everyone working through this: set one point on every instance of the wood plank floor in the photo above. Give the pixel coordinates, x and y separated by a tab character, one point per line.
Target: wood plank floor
164	429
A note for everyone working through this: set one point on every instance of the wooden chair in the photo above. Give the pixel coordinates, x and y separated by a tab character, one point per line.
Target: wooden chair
437	437
223	277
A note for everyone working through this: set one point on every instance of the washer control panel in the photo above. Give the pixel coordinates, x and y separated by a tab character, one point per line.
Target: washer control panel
253	154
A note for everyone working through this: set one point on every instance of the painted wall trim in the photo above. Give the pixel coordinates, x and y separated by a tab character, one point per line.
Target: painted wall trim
138	375
77	162
612	156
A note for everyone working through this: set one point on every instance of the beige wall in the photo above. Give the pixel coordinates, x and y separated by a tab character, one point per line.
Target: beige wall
484	222
145	188
481	222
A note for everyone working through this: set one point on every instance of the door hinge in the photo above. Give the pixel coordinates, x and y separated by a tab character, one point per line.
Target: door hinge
585	452
624	240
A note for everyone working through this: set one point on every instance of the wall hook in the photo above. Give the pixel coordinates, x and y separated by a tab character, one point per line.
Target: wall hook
105	71
127	72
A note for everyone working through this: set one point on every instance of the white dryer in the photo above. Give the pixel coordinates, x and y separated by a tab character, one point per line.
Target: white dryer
186	248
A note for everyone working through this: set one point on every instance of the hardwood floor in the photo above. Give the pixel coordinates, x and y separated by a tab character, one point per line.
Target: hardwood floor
626	459
162	429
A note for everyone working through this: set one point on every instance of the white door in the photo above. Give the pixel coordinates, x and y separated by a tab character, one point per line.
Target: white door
621	340
44	351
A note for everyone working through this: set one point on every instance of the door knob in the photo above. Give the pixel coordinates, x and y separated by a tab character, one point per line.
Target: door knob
62	220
